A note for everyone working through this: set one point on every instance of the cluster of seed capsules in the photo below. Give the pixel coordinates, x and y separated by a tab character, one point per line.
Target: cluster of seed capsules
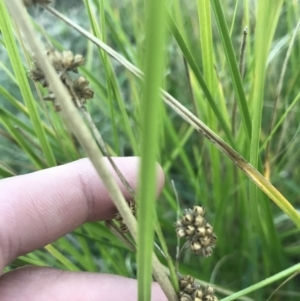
190	291
65	62
123	227
198	232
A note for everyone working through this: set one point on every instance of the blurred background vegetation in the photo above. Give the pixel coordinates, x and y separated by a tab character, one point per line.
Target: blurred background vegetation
252	245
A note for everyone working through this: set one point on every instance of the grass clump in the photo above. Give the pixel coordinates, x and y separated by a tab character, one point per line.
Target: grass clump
192	55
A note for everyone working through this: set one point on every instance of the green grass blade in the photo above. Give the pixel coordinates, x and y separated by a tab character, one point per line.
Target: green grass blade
280	121
111	82
234	18
150	125
21	141
113	89
164	247
21	77
62	258
192	63
233	66
90	264
13	100
267	18
263	283
178	150
6	171
22	108
212	84
26	260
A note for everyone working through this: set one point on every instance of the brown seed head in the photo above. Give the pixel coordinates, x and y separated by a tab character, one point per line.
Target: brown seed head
122	225
198	233
81	88
189	290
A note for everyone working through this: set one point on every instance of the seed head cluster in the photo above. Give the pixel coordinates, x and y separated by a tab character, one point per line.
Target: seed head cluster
119	218
64	63
198	232
190	291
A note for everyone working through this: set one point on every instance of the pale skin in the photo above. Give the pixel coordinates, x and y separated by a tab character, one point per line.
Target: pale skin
37	209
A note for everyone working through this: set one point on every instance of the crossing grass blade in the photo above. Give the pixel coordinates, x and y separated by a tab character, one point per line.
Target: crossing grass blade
267	18
192	63
20	74
21	140
6	171
263	283
233	66
67	263
113	89
153	70
210	78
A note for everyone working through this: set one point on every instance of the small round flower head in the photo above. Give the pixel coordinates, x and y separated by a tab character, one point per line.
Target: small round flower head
184	281
123	227
187	287
197	231
71	62
37	75
189	290
82	89
185	297
65	62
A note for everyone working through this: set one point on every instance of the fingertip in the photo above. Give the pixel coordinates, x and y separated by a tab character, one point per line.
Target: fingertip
60	285
39	208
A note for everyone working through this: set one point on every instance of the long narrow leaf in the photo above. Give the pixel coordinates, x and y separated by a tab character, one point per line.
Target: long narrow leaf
21	77
150	123
233	66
